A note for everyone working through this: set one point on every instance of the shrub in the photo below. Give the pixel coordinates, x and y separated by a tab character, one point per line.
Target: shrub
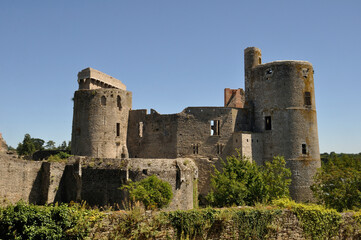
26	221
317	221
151	191
241	182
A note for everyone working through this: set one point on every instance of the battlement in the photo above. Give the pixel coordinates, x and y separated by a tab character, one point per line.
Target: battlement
90	78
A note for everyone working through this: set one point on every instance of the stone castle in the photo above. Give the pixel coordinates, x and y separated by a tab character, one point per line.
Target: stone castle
274	115
112	143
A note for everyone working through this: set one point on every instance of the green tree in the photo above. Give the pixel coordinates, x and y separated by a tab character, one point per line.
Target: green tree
50	145
27	147
242	182
277	178
151	191
337	184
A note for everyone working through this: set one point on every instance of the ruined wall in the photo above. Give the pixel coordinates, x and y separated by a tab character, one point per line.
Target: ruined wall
206	132
94	180
234	98
152	135
3	146
20	179
100	123
283	100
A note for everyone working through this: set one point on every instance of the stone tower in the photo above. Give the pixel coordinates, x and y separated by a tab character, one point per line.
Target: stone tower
282	99
100	120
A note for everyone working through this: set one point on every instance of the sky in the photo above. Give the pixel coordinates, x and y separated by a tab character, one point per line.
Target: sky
171	55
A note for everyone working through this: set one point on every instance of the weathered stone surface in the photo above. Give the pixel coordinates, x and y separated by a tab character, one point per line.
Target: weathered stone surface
94	180
3	146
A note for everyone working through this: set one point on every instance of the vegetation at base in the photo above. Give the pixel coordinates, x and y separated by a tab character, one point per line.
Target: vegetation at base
317	221
242	182
337	184
249	223
26	221
61	156
152	192
30	145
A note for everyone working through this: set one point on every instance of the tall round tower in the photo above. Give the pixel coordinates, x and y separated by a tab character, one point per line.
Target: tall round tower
283	98
100	120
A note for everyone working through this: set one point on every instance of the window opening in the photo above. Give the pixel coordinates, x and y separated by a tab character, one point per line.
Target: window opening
178	178
195	148
118	129
215	128
304	149
103	100
307	98
140	129
145	171
268	124
119	103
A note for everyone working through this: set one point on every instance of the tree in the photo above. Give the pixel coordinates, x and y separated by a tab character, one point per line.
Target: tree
241	182
151	191
27	147
337	184
50	145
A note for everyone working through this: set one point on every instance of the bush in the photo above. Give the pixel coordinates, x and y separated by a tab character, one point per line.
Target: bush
241	182
61	156
151	191
26	221
317	221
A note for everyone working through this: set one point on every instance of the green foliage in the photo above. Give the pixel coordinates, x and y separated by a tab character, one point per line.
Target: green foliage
134	224
151	191
27	147
60	157
249	223
317	221
242	182
337	183
255	223
24	221
50	145
192	223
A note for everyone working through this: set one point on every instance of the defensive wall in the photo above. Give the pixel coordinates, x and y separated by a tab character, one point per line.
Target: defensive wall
94	180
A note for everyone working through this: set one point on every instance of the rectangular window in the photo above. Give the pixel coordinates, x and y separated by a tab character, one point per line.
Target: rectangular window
304	149
268	124
215	127
118	129
308	99
195	148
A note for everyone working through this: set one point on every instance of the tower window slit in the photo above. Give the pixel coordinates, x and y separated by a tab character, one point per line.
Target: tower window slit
268	123
308	99
118	129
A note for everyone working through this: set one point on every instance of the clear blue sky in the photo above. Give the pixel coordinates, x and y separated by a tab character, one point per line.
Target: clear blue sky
173	54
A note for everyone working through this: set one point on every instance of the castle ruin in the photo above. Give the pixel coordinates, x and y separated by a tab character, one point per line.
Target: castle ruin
274	115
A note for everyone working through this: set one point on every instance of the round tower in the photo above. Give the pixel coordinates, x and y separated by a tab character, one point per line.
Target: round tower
100	123
252	58
100	120
285	112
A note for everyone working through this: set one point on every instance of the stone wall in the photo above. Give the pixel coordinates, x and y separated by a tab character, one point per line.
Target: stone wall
100	123
94	180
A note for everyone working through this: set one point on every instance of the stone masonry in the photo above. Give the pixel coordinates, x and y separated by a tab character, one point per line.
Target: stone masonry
274	115
3	146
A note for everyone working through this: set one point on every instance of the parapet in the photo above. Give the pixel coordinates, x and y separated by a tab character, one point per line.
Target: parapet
90	78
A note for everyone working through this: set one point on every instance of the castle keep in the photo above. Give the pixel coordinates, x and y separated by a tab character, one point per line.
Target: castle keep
274	115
